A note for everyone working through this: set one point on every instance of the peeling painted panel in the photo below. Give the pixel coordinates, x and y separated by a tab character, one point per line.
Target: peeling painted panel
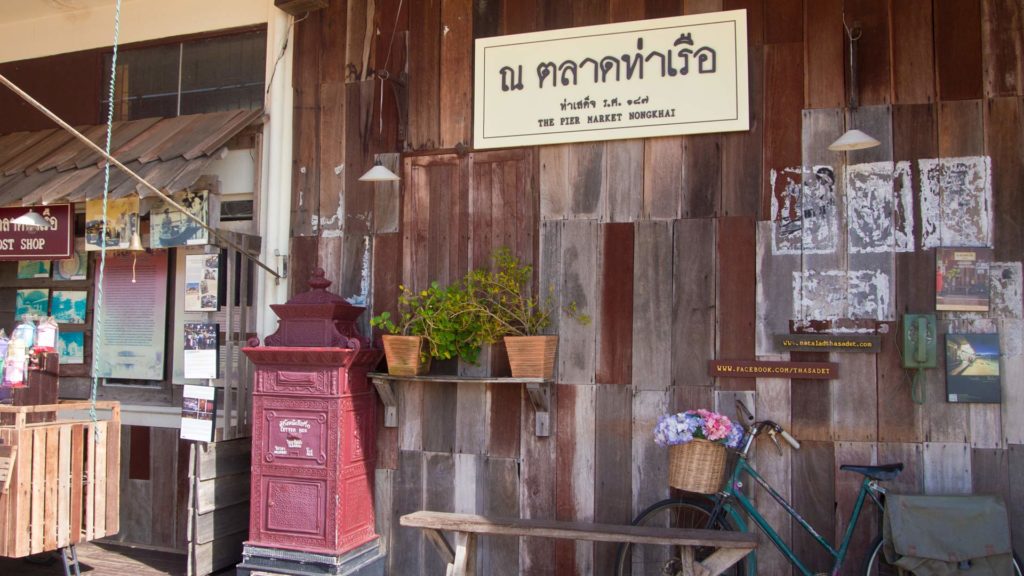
903	221
774	291
880	215
870	295
804	210
786	186
870	207
956	201
820	295
1005	300
818	207
1011	340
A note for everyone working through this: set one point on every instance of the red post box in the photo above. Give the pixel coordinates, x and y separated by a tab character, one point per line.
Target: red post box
313	442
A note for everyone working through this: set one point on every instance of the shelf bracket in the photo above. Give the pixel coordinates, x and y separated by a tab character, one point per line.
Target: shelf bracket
540	397
386	390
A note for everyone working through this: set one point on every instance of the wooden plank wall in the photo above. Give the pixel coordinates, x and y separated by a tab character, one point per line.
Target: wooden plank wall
667	243
218	503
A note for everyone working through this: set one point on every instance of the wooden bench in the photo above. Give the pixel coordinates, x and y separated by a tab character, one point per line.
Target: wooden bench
731	546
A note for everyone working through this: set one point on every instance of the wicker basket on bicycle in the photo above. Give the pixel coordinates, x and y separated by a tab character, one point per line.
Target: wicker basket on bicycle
697	466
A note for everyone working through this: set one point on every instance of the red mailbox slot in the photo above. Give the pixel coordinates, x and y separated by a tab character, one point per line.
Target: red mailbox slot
313	442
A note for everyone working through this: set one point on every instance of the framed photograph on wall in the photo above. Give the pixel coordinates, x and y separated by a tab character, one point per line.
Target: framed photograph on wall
68	306
201	350
202	282
171	227
32	301
972	368
71	346
962	279
198	413
122	220
33	269
74	268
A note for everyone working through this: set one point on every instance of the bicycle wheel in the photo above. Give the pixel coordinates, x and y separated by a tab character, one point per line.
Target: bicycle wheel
659	560
875	565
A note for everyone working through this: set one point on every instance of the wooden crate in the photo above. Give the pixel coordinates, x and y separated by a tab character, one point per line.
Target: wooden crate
64	478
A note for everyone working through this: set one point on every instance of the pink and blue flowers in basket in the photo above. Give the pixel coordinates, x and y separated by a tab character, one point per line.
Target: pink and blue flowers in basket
673	429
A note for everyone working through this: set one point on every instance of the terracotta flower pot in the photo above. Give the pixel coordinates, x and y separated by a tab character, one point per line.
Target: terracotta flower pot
532	356
404	355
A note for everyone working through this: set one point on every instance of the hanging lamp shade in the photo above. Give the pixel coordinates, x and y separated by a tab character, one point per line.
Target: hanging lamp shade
32	218
379	173
853	140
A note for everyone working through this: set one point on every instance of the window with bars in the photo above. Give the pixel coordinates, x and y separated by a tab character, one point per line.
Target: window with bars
190	77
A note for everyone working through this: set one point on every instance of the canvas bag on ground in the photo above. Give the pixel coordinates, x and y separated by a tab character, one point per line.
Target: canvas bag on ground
939	535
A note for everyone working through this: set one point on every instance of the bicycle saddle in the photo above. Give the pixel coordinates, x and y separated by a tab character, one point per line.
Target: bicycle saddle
883	472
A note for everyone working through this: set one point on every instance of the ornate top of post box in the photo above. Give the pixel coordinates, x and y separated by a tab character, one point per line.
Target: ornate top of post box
317	318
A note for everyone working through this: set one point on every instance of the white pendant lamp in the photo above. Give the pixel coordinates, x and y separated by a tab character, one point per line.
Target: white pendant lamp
853	139
33	219
379	173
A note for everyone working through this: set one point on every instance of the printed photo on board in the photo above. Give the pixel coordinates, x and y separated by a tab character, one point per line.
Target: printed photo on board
972	368
962	279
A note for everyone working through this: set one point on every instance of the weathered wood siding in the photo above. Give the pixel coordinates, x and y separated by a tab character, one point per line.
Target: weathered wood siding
672	246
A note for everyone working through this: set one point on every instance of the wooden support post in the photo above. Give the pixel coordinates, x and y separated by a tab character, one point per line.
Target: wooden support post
441	545
465	554
720	561
540	397
686	562
386	390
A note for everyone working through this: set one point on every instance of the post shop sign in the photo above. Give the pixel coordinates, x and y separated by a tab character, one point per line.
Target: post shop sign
19	242
667	76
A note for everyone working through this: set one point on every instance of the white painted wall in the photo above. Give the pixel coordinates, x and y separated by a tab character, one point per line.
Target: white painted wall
276	173
24	34
237	172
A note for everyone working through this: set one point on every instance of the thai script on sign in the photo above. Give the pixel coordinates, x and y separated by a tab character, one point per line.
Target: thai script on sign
294	425
659	77
675	61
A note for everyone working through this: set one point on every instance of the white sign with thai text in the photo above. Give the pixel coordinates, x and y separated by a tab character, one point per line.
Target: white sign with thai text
680	75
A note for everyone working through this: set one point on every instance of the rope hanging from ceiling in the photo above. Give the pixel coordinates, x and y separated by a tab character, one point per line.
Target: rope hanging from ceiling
97	310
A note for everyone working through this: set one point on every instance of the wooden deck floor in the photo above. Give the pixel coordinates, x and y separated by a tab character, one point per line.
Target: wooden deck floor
99	559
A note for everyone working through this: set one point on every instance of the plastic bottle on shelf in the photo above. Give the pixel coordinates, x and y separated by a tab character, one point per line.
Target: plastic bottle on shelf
25	332
46	335
15	364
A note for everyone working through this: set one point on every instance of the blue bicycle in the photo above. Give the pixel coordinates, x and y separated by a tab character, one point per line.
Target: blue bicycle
726	509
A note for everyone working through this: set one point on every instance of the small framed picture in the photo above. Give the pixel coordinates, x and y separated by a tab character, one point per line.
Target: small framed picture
33	269
202	282
71	346
962	279
33	301
972	368
68	306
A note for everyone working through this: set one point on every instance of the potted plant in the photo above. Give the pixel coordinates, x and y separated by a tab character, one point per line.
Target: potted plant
512	313
437	322
697	440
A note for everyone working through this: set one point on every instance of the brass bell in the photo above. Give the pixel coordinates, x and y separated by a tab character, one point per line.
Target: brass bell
135	244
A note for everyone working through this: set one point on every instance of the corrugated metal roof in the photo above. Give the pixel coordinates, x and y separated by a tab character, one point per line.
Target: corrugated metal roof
170	153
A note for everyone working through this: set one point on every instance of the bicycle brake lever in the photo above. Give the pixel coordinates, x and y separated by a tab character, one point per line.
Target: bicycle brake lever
778	447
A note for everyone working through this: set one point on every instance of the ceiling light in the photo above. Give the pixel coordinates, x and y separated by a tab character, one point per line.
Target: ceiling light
33	219
853	140
379	173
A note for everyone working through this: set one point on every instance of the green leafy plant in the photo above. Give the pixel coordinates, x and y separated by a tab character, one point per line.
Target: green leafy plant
447	318
505	302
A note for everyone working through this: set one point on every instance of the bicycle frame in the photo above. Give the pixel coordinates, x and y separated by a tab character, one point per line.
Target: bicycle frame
733	493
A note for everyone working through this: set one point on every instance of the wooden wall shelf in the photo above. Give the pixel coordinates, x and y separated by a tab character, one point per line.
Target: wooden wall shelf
538	388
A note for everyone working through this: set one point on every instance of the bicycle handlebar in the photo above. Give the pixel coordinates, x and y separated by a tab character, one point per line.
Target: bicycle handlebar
773	427
788	438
